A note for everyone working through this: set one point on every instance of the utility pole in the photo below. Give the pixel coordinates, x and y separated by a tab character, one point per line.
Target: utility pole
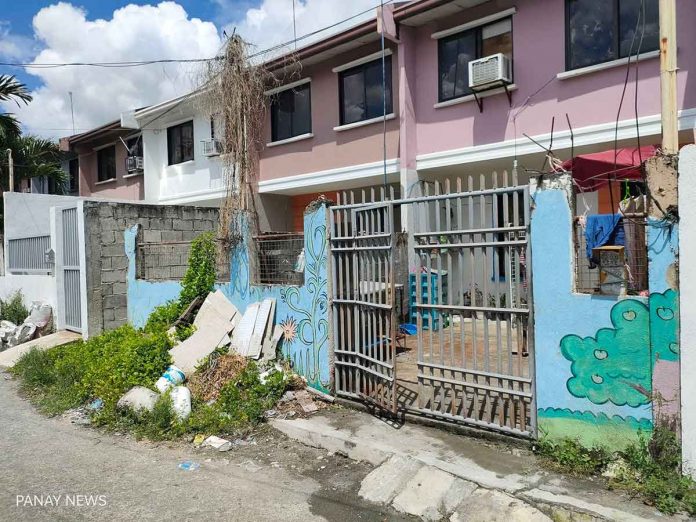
10	165
668	76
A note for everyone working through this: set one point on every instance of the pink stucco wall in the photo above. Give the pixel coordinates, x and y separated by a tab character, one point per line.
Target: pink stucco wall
539	54
329	149
128	188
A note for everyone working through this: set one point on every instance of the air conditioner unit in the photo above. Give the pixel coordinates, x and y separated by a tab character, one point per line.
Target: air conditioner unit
134	164
490	71
211	147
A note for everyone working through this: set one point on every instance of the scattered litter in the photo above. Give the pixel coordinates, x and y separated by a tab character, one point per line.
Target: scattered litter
172	377
269	414
218	443
181	401
189	465
276	368
96	404
199	439
77	416
138	398
250	441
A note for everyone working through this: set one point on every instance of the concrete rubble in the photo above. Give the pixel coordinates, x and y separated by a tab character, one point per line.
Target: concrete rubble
37	323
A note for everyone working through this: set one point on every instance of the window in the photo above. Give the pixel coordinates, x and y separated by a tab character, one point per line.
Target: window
291	113
279	259
456	51
135	147
180	143
599	31
74	176
361	91
106	163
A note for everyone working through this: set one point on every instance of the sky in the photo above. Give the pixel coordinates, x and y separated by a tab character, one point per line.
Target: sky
41	32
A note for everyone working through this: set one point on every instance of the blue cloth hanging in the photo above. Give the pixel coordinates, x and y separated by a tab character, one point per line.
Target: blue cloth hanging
603	229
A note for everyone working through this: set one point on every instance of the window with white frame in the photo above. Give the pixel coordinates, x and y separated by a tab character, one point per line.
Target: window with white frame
360	91
180	143
291	112
457	50
106	163
599	31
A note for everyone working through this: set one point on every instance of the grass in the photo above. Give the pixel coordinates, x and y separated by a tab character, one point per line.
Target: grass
648	469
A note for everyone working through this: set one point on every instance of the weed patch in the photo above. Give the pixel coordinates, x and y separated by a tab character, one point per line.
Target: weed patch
13	309
648	469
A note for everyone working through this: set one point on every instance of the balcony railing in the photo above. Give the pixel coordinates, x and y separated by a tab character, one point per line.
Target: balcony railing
134	164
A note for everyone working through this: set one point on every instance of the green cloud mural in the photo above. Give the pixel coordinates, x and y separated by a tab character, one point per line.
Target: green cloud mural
614	366
664	330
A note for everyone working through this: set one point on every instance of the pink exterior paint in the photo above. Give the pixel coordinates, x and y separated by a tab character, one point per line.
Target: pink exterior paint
539	54
123	187
330	149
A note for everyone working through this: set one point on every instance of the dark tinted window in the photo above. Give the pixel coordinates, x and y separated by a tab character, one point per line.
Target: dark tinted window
291	113
73	175
361	91
603	30
456	51
106	163
180	143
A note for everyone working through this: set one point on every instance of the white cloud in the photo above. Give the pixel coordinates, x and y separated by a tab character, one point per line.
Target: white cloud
134	33
148	32
271	23
12	46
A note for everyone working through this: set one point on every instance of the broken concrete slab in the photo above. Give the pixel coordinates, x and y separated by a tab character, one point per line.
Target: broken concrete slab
430	493
9	357
386	481
245	330
138	398
191	352
263	323
306	401
217	307
495	506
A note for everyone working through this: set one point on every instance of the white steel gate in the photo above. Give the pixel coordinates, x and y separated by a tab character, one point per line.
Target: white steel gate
363	303
69	267
469	293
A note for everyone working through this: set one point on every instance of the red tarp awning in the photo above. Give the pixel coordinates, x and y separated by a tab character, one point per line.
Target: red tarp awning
592	171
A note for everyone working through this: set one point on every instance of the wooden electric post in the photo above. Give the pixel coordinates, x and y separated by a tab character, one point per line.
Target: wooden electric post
10	166
668	76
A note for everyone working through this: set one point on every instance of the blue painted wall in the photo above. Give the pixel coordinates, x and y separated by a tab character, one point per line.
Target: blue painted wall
302	311
595	355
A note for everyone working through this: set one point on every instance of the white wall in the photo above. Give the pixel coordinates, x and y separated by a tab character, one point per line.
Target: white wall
687	303
28	215
191	182
33	287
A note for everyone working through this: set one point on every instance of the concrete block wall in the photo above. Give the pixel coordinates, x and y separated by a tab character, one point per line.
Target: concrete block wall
107	263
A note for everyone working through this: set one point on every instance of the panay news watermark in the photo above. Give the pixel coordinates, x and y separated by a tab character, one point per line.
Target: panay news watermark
61	500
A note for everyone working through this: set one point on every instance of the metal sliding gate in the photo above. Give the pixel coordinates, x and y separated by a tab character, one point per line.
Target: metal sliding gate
469	295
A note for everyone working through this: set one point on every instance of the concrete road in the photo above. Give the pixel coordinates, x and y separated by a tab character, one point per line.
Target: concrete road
79	473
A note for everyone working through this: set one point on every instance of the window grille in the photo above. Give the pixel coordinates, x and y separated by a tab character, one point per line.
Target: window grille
279	259
28	255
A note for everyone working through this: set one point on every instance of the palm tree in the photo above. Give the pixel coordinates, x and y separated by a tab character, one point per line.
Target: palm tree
38	157
11	89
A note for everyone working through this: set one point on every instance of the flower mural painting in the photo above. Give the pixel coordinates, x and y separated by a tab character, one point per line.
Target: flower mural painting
289	326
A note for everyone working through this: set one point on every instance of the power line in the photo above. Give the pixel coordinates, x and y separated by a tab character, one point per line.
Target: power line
140	63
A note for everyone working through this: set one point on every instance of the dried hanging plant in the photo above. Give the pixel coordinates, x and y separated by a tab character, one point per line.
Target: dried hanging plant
233	88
